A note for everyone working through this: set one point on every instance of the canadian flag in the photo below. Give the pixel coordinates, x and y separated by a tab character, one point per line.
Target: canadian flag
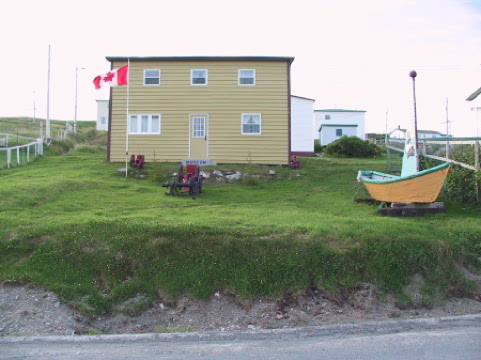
115	77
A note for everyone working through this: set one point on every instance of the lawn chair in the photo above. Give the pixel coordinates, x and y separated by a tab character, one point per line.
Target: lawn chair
138	161
294	163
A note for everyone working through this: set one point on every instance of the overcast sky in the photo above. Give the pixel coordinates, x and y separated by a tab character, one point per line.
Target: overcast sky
349	54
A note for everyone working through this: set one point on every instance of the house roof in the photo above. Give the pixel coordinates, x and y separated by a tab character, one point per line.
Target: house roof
200	58
301	97
474	95
339	110
337	125
419	131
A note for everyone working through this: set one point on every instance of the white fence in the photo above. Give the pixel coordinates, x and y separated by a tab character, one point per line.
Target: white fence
18	155
438	149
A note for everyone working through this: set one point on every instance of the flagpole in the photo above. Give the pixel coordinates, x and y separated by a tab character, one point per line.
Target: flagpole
127	121
47	122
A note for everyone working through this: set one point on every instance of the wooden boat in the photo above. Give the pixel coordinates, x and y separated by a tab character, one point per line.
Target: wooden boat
413	186
420	187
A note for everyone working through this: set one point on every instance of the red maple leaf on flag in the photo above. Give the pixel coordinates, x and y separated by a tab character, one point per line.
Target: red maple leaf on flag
109	76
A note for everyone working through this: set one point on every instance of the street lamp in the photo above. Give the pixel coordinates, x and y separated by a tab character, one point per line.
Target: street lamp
413	75
76	83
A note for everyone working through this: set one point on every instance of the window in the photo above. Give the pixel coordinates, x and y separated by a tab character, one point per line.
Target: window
251	124
198	77
151	77
327	117
103	120
247	77
198	127
339	132
144	124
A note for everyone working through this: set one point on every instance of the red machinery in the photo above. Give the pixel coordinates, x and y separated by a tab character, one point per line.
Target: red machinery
186	182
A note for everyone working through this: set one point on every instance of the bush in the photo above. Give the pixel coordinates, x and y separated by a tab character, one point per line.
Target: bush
461	182
351	146
59	147
318	148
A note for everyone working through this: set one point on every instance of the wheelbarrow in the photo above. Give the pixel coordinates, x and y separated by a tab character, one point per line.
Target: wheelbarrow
187	182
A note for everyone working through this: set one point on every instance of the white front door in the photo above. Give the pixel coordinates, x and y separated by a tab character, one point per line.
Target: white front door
198	136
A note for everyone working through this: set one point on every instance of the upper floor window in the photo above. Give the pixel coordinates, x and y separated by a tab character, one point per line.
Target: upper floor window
151	77
251	124
247	77
144	124
327	117
198	76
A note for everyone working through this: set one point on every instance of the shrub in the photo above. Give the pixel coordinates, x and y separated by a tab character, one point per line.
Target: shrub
351	146
59	147
461	182
318	148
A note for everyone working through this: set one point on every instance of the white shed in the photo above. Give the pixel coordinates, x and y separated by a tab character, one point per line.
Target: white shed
331	124
103	115
302	120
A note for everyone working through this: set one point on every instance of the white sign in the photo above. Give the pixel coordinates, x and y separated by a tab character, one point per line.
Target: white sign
199	162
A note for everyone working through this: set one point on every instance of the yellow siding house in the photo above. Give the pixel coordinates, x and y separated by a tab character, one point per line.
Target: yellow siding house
226	109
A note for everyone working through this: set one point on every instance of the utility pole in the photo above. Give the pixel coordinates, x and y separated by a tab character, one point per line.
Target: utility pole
385	138
76	83
34	106
447	131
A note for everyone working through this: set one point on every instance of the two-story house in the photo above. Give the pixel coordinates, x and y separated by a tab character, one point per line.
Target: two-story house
226	109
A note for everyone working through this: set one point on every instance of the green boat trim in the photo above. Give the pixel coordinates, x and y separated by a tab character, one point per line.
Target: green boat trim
366	175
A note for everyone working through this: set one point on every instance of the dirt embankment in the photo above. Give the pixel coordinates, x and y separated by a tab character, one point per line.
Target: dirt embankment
33	311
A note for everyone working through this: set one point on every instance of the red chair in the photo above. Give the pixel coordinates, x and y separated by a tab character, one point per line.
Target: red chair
138	161
294	163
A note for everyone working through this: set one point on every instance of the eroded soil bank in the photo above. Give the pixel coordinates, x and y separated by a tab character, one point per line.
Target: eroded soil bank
31	311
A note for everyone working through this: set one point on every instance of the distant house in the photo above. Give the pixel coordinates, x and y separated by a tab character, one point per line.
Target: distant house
331	124
302	120
102	115
226	109
400	134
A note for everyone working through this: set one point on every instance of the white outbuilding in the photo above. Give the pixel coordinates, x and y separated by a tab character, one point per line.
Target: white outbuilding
103	115
302	120
332	124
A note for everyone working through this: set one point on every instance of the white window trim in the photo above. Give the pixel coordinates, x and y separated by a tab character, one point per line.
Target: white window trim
242	124
139	125
239	77
160	77
192	77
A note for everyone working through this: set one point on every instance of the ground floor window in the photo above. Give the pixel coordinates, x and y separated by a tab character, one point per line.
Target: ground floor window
339	132
251	124
144	124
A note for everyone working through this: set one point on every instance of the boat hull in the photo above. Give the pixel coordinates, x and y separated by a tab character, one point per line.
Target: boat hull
423	187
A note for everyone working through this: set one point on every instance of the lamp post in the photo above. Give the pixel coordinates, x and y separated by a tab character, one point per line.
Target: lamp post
413	75
76	83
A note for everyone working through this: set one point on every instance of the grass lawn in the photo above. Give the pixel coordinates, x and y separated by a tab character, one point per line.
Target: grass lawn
76	226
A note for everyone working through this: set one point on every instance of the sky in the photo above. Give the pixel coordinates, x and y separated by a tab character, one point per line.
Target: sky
349	54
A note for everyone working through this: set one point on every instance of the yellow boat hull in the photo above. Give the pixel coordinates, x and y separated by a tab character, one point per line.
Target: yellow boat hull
423	187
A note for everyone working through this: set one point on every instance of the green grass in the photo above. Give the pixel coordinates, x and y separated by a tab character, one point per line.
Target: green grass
76	226
28	127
